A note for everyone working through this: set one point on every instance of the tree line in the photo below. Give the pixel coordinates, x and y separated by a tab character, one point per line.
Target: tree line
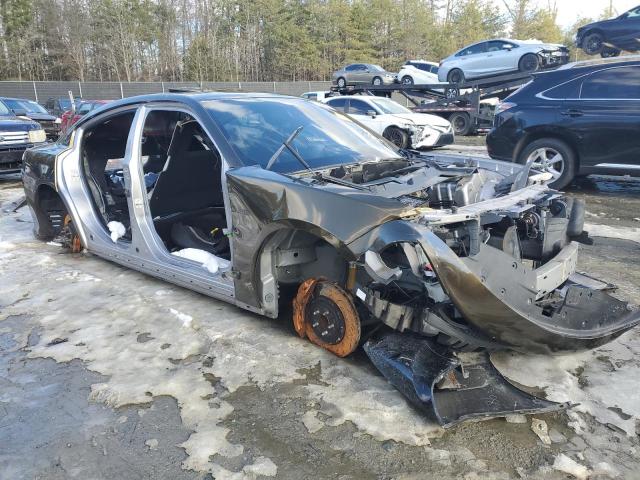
248	40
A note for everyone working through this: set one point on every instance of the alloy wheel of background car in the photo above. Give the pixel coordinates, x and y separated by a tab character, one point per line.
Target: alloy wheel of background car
397	136
456	76
325	314
341	82
461	123
529	63
592	44
407	80
377	81
554	156
451	93
547	160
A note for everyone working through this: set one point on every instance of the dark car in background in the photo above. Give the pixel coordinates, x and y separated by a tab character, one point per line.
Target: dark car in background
72	116
35	111
609	37
58	105
579	120
17	134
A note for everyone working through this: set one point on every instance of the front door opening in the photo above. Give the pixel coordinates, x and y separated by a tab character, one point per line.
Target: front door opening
183	176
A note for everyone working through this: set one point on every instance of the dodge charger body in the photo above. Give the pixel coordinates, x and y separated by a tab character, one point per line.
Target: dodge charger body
267	201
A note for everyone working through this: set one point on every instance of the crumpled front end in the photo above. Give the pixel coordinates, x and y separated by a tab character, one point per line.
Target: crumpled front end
494	274
429	136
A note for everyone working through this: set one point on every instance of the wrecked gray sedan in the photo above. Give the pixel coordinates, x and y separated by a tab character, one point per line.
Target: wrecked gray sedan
275	203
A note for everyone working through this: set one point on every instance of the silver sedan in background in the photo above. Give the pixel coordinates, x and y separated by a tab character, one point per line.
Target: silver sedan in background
362	73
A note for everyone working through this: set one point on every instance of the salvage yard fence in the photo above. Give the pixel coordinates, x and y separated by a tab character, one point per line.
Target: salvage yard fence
41	91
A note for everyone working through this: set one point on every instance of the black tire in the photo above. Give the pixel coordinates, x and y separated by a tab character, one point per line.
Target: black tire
407	80
569	159
451	93
461	123
376	81
593	44
397	136
528	63
456	76
341	82
609	52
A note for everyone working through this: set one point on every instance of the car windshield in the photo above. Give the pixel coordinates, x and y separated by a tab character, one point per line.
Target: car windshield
26	105
256	128
4	111
389	106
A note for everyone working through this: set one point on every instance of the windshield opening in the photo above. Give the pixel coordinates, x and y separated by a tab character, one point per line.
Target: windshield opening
257	127
389	106
26	105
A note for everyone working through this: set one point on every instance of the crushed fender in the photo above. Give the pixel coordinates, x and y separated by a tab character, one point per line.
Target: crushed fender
436	382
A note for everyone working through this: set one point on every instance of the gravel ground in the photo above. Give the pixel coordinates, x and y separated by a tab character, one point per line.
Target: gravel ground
101	376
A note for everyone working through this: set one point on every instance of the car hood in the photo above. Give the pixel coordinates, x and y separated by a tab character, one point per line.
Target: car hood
538	43
423	119
17	124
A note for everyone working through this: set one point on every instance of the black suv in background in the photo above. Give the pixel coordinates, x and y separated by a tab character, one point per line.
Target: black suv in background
16	135
577	120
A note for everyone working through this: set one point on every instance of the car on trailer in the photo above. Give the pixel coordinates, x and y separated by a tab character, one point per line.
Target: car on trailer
362	74
418	71
398	124
266	201
500	56
579	120
609	37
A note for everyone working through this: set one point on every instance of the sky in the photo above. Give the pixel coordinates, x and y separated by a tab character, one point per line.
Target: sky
570	10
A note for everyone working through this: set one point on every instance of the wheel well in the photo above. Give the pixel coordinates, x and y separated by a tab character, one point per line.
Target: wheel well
532	137
289	257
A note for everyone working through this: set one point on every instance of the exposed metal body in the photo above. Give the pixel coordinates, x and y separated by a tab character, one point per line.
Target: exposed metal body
468	253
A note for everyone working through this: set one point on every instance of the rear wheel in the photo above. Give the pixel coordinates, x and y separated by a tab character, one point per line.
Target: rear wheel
455	76
341	82
461	123
553	156
407	80
397	136
593	43
376	81
529	63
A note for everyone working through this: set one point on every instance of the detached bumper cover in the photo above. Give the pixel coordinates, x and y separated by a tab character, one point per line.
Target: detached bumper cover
434	380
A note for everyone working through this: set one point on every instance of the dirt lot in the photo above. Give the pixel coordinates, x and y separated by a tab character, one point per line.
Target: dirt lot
107	373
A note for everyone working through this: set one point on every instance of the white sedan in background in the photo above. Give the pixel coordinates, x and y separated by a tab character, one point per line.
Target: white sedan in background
418	72
398	124
500	56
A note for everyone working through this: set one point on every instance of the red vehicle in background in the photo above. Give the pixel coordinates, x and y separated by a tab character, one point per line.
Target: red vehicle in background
70	117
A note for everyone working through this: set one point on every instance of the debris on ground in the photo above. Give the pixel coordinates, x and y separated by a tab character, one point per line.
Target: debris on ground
540	428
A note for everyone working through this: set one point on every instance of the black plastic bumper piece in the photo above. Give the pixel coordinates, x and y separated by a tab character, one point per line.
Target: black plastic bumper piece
435	381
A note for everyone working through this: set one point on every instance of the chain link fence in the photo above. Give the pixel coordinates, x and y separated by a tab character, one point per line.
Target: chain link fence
41	91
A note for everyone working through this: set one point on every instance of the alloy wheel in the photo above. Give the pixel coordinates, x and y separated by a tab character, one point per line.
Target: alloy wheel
377	81
547	160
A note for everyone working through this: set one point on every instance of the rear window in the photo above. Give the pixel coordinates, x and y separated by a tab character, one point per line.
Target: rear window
565	90
85	108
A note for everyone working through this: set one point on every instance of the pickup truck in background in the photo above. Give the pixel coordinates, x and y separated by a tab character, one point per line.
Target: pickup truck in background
17	134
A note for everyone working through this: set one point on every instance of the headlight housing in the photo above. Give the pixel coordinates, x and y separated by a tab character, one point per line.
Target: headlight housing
37	136
58	120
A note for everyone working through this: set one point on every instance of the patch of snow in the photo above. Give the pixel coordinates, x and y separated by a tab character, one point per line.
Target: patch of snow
209	261
152	443
567	465
261	466
311	421
117	230
183	317
625	233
